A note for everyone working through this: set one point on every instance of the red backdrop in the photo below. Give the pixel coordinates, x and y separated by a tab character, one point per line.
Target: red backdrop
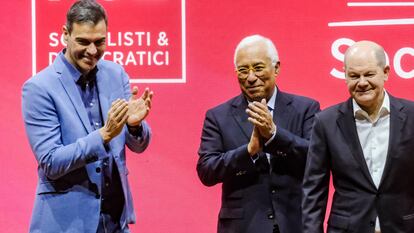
310	37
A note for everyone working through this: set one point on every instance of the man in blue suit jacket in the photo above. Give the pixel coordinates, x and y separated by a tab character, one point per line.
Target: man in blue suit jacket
255	144
367	144
79	114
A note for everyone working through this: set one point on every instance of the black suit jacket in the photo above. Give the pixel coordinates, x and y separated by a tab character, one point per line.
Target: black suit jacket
335	148
252	198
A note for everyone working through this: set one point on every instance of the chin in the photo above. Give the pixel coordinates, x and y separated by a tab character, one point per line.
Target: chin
256	98
365	98
87	68
364	101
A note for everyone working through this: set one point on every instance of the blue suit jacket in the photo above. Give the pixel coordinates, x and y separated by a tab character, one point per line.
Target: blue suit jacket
251	197
335	149
69	151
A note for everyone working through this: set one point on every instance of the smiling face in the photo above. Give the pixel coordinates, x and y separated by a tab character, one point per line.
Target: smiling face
365	77
85	44
255	72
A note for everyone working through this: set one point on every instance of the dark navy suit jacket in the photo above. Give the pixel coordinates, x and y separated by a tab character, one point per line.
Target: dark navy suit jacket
335	149
252	198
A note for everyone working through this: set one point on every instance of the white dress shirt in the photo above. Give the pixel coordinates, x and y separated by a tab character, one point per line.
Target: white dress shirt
374	138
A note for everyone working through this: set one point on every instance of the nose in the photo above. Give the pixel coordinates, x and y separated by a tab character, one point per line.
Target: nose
363	81
251	77
91	49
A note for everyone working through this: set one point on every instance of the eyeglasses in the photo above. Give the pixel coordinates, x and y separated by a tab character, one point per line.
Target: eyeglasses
244	71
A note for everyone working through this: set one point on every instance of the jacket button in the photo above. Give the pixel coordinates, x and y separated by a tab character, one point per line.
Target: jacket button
271	216
98	170
97	196
273	191
372	223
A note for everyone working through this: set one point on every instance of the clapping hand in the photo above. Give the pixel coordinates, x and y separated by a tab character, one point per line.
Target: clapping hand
139	107
260	117
117	117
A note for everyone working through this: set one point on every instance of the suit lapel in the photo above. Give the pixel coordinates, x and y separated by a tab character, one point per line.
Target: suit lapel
104	94
346	123
397	120
72	91
239	113
281	110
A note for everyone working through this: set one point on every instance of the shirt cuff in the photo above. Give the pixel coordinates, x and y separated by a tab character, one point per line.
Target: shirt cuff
271	138
135	131
254	158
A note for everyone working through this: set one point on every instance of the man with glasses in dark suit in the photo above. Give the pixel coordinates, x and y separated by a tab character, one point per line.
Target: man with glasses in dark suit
255	144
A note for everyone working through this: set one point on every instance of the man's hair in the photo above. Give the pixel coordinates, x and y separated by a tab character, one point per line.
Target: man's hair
270	47
377	49
381	58
85	11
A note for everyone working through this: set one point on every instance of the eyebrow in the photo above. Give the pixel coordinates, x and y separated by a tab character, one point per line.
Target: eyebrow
81	39
254	64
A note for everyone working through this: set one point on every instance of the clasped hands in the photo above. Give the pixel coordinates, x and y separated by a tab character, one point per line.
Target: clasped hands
131	112
263	126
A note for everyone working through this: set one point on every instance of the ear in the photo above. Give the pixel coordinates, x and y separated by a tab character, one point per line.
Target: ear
344	68
386	72
277	68
66	34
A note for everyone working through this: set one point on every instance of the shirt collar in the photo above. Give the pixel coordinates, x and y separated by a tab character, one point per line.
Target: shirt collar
360	114
271	102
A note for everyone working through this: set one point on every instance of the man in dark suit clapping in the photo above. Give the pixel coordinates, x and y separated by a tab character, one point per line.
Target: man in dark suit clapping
255	144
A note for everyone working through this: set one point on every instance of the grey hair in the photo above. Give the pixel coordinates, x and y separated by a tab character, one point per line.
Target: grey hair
249	40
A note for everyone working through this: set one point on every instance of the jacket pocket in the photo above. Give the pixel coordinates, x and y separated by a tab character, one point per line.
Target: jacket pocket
231	213
408	217
338	221
408	222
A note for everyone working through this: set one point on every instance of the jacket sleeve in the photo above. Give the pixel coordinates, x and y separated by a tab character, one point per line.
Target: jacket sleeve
136	143
286	143
316	181
44	132
215	164
140	142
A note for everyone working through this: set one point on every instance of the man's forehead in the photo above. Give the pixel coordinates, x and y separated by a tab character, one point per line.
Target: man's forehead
361	67
89	24
361	59
94	31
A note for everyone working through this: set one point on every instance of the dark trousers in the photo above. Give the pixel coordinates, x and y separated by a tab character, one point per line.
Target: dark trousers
108	225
